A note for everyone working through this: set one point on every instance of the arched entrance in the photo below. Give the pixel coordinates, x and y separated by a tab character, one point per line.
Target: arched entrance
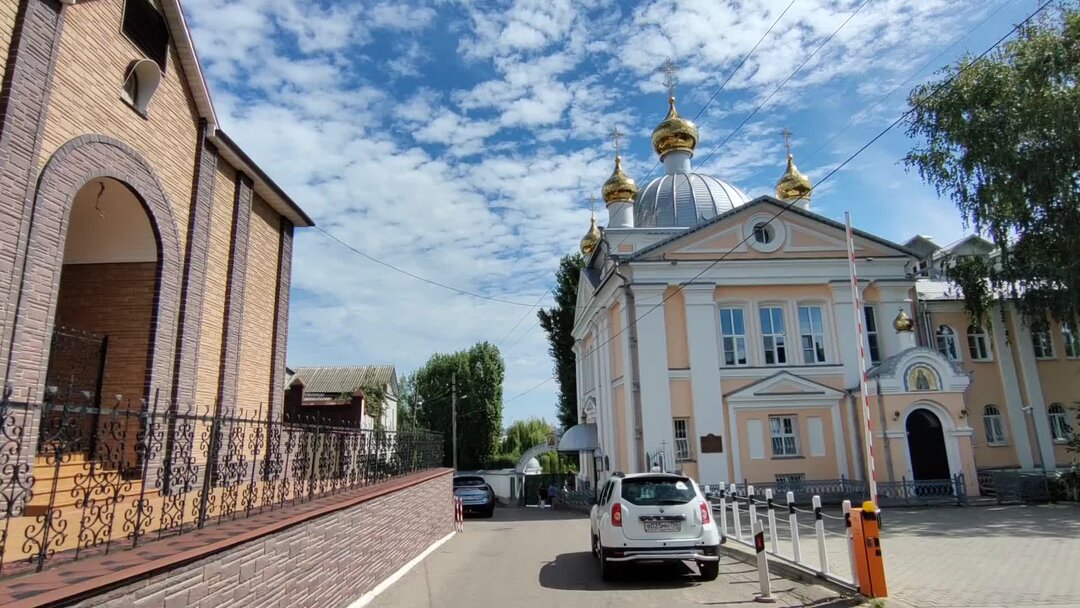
926	445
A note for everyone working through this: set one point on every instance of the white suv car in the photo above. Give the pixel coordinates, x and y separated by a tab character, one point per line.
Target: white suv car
652	517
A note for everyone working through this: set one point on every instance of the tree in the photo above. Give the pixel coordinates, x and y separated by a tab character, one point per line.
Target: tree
558	323
479	371
1001	138
524	434
407	402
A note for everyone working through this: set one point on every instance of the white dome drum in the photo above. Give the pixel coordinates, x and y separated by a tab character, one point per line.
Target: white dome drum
684	200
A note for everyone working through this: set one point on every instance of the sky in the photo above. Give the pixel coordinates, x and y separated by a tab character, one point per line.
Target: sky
461	141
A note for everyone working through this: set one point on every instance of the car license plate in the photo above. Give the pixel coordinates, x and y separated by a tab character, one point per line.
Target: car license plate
663	526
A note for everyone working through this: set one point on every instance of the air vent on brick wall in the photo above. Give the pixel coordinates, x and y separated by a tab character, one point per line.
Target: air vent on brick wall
146	27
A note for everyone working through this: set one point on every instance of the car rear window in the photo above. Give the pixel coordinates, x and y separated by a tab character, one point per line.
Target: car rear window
658	490
460	482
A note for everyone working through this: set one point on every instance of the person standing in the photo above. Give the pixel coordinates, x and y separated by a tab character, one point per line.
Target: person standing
542	495
553	491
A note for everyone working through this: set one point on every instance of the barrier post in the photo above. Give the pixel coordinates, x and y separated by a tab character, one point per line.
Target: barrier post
762	563
752	507
735	512
723	511
819	528
775	542
867	543
850	542
793	526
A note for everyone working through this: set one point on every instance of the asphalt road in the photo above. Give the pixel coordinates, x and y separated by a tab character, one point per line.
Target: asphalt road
528	557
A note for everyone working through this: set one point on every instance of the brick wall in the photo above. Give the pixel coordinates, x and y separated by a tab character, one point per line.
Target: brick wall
327	561
7	25
217	271
114	300
86	98
257	335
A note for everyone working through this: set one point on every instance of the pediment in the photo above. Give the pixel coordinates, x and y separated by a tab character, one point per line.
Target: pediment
794	233
919	370
785	385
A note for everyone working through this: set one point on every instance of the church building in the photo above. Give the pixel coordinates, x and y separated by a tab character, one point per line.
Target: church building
717	334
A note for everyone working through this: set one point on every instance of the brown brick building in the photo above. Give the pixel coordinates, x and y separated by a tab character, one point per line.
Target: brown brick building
144	258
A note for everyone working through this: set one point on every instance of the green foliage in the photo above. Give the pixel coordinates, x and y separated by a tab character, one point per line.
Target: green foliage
1001	141
558	322
479	371
554	463
501	461
374	404
524	434
971	274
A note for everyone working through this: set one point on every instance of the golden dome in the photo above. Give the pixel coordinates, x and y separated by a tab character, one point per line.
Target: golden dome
591	238
619	187
793	185
675	133
902	322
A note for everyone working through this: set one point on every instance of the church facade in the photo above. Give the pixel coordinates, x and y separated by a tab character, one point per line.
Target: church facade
717	335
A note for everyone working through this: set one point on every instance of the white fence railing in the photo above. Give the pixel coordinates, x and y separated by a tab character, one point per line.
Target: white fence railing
811	539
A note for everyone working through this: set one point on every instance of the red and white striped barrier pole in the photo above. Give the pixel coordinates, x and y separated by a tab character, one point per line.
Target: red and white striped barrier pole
459	515
856	303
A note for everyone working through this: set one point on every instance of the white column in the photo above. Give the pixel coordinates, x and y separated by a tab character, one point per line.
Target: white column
705	387
604	410
1013	400
627	459
846	331
653	366
621	215
1034	393
893	298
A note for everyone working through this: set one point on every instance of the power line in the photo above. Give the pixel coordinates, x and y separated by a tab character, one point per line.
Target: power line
786	80
520	395
416	276
785	208
527	312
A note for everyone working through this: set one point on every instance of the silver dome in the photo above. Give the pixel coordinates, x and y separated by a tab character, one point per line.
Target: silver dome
683	200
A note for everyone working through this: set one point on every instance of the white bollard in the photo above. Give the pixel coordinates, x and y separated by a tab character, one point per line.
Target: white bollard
850	542
819	528
772	523
723	511
793	526
735	512
762	563
752	508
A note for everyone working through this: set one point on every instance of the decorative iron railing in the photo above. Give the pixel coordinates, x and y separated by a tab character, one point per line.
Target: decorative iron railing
907	492
834	491
77	481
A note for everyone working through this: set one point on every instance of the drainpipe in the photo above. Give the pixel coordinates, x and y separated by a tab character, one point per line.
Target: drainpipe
884	433
635	385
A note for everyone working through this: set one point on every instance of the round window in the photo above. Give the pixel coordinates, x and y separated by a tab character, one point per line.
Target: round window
763	233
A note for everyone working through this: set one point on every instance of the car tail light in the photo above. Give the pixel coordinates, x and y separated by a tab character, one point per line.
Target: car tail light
616	515
704	506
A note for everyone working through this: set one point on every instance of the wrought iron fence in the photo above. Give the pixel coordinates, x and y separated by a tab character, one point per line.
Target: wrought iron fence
77	480
908	492
834	491
831	491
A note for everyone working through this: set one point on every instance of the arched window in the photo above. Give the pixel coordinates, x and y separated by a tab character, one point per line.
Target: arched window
1072	341
978	343
1059	422
946	343
140	84
995	431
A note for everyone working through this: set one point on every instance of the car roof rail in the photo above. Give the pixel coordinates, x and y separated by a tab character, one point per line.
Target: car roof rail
618	474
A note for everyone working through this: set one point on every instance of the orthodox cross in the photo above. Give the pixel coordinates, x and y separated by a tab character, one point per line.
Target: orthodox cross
616	135
787	139
592	204
669	71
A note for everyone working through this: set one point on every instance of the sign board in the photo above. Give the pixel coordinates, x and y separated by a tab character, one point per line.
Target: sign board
712	444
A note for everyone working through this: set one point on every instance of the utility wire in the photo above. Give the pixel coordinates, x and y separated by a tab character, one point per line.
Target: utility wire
834	171
522	394
786	80
416	276
527	312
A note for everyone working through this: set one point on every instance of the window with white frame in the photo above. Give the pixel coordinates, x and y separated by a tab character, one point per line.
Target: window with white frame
872	334
785	435
772	335
1059	422
1072	341
733	336
995	431
682	439
1042	343
946	343
978	343
811	334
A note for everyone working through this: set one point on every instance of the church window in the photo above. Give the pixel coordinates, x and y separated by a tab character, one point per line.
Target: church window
763	233
811	334
772	335
1072	341
785	435
682	439
872	334
1059	422
978	343
995	431
733	336
946	343
1042	343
